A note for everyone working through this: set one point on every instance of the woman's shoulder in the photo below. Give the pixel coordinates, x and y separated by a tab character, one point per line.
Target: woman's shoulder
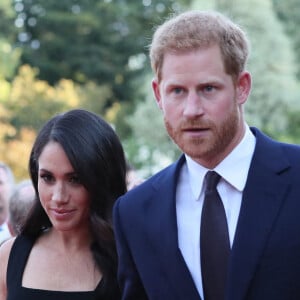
17	245
5	249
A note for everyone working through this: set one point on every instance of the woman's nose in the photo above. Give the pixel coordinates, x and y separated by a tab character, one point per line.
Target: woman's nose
59	193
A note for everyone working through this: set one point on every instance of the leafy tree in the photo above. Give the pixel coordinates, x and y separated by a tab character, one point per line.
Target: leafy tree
15	152
288	12
7	15
149	147
32	101
101	41
9	56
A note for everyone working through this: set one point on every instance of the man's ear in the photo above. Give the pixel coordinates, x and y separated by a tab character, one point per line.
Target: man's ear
243	87
156	92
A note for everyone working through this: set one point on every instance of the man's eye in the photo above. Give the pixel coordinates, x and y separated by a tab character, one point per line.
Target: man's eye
209	88
177	90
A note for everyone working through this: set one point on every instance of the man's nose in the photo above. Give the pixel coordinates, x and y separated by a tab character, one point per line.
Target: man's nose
59	193
193	105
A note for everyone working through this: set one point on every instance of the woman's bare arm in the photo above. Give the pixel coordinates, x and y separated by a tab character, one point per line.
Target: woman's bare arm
4	254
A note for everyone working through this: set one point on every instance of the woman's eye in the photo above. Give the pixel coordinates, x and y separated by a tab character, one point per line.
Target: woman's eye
46	177
75	180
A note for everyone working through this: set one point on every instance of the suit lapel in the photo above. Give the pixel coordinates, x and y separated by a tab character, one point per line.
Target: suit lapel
165	231
262	199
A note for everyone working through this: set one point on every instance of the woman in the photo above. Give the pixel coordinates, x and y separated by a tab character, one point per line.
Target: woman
66	248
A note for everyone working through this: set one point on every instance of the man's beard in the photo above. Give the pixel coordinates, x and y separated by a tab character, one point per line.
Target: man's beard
206	148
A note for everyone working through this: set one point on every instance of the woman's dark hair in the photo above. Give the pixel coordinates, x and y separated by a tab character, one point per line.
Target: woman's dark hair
96	154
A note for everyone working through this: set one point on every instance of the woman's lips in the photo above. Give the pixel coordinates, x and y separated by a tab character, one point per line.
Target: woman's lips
62	213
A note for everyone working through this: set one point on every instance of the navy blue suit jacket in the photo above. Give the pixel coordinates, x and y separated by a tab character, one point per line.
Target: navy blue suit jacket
265	256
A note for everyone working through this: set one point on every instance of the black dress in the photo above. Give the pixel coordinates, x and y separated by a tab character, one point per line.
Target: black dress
16	265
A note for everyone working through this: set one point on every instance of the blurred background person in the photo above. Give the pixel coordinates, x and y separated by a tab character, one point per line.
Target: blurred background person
19	206
132	178
7	182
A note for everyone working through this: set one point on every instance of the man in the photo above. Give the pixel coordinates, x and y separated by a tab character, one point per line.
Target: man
6	187
167	243
19	207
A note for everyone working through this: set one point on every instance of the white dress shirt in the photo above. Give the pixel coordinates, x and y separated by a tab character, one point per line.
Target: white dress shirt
190	195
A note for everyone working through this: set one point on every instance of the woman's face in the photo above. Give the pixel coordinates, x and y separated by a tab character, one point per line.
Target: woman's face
63	197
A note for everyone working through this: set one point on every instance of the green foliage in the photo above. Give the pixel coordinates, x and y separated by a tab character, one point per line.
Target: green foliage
9	56
288	13
31	102
7	15
149	147
90	40
9	59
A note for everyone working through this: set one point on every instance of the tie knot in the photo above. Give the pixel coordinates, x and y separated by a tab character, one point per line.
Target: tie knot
212	179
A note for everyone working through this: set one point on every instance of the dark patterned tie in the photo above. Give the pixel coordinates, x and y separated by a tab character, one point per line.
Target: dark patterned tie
214	241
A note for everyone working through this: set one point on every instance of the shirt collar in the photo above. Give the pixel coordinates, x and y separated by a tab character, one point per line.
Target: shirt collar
233	169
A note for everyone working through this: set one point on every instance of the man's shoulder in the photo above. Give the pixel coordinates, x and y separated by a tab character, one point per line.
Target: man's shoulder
276	154
267	141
